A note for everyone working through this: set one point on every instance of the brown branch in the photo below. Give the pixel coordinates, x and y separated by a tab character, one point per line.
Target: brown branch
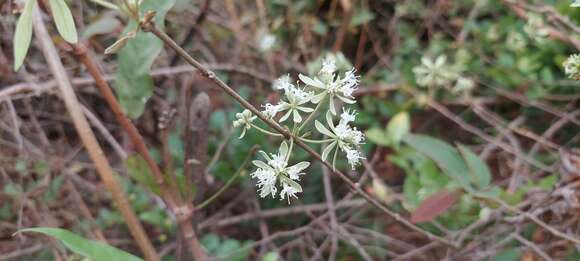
181	210
149	26
196	142
88	137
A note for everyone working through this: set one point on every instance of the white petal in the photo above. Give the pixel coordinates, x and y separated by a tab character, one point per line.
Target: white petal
323	129
312	82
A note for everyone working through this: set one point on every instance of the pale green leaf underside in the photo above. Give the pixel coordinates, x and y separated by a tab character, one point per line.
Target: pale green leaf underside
23	34
133	84
64	21
87	248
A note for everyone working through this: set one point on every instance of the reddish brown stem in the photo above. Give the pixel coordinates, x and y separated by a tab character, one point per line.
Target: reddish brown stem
182	210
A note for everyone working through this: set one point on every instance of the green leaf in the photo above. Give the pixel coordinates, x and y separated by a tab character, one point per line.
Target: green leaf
64	21
139	170
377	136
271	256
398	127
480	175
446	157
87	248
361	17
134	85
120	43
23	34
105	25
513	254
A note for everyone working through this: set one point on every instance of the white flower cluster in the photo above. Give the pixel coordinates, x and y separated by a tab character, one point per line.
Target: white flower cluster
303	101
572	66
434	73
343	136
437	73
275	170
535	28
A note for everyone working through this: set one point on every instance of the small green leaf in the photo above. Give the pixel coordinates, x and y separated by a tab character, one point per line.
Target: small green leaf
377	136
87	248
271	256
23	34
480	175
398	127
361	17
119	44
133	84
65	24
138	169
105	25
446	157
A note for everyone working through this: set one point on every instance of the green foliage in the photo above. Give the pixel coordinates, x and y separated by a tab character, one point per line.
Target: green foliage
105	25
87	248
23	34
64	21
226	249
423	179
393	134
446	157
138	169
133	84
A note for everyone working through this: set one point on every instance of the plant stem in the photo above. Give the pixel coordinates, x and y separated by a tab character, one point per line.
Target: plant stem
174	202
106	4
315	141
230	181
88	138
266	131
312	115
202	70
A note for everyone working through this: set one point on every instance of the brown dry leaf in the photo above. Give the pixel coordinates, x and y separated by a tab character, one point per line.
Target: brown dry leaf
434	206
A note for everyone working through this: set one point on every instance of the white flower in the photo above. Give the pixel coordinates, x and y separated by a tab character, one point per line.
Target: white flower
575	4
276	168
535	28
296	98
347	116
334	86
266	182
463	85
266	42
244	120
288	191
328	66
572	66
270	110
353	156
343	136
433	73
282	83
